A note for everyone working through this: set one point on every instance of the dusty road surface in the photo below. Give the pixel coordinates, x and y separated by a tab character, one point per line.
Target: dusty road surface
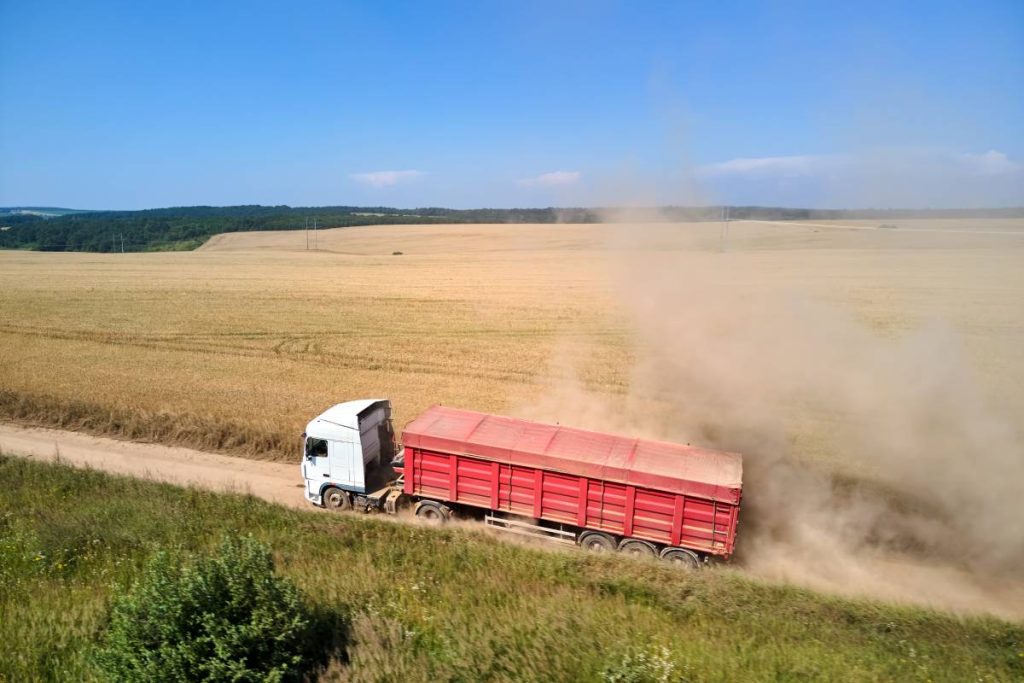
880	577
276	482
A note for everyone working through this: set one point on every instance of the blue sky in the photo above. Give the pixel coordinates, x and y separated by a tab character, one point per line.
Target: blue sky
137	105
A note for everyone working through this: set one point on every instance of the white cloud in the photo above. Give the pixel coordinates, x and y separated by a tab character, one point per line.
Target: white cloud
990	163
926	161
764	167
553	179
385	178
894	176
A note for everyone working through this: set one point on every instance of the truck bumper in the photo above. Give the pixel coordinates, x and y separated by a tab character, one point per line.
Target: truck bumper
314	498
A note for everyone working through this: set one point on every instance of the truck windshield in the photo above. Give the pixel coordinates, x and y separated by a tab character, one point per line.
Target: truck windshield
316	448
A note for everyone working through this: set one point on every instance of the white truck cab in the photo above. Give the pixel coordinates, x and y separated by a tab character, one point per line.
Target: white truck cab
349	447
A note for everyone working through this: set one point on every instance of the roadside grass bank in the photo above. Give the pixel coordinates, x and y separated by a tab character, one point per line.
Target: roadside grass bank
423	604
202	432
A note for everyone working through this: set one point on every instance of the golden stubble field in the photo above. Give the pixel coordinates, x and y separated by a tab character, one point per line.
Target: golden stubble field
256	331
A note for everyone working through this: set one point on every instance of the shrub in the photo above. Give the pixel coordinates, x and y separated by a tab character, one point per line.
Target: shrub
226	617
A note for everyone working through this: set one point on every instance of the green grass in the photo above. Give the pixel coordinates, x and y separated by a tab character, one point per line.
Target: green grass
422	604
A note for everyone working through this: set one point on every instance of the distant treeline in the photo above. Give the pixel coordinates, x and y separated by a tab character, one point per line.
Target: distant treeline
184	228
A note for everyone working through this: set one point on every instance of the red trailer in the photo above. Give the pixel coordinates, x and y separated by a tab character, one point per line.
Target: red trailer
601	491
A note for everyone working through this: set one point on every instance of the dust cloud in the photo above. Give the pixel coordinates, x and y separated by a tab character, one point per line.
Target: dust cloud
872	465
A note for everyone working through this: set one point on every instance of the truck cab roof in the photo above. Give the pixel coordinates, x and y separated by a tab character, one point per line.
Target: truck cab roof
341	422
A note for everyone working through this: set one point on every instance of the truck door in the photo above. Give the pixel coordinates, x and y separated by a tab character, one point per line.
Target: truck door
346	464
316	467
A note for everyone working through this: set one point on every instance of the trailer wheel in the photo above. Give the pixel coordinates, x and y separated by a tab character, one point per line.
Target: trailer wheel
682	558
597	542
432	511
637	548
336	499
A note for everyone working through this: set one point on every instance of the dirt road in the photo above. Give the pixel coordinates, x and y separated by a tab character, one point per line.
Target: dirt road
276	482
886	578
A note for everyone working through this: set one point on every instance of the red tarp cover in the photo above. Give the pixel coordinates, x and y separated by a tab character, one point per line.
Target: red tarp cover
654	464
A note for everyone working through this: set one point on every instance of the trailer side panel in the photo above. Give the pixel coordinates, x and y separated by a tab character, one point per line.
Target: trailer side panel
631	511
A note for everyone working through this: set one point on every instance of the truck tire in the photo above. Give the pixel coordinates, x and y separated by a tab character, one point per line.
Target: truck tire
636	548
336	499
433	512
682	558
597	542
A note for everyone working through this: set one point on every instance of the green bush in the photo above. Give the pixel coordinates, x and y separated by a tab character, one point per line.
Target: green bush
226	617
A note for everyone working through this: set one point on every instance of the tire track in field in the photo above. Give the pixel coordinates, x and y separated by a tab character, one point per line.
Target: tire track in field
307	352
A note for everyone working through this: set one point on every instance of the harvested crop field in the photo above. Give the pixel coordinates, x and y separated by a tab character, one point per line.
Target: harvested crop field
248	337
872	377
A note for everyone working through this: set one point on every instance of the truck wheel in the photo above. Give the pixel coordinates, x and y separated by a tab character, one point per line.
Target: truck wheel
637	548
597	542
336	499
432	511
682	558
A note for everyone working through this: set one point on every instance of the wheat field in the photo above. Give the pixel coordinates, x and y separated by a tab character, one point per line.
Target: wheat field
235	346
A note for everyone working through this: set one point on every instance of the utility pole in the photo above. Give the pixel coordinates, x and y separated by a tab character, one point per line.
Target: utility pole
727	225
724	236
316	244
307	233
122	242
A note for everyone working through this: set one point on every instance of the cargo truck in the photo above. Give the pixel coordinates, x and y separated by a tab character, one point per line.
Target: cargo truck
600	491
